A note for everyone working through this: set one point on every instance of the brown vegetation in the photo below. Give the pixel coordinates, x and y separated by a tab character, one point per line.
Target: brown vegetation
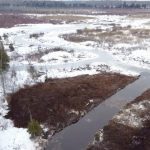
144	96
41	52
114	35
57	19
122	137
10	20
36	35
52	102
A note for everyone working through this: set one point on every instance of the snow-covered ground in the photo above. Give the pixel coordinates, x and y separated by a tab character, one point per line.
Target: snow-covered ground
40	52
135	115
131	46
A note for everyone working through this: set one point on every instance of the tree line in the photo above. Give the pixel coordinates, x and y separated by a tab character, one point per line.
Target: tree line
79	4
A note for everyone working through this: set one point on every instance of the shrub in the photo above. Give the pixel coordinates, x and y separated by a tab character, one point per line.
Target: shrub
33	72
5	36
11	47
36	35
34	128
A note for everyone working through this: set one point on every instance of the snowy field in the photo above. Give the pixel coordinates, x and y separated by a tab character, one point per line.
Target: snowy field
40	52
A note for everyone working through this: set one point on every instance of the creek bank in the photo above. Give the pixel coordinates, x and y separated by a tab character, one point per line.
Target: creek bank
129	129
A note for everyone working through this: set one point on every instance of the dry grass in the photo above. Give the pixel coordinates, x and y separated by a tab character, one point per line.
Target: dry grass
65	18
51	102
114	35
10	20
144	96
121	137
37	56
140	16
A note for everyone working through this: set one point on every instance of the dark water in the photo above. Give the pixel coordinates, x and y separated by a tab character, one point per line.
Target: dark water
79	135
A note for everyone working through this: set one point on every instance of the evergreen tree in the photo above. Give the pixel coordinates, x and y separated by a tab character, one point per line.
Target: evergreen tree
34	128
4	59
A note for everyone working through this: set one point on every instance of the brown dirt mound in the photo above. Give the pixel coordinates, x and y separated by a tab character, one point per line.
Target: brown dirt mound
53	101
